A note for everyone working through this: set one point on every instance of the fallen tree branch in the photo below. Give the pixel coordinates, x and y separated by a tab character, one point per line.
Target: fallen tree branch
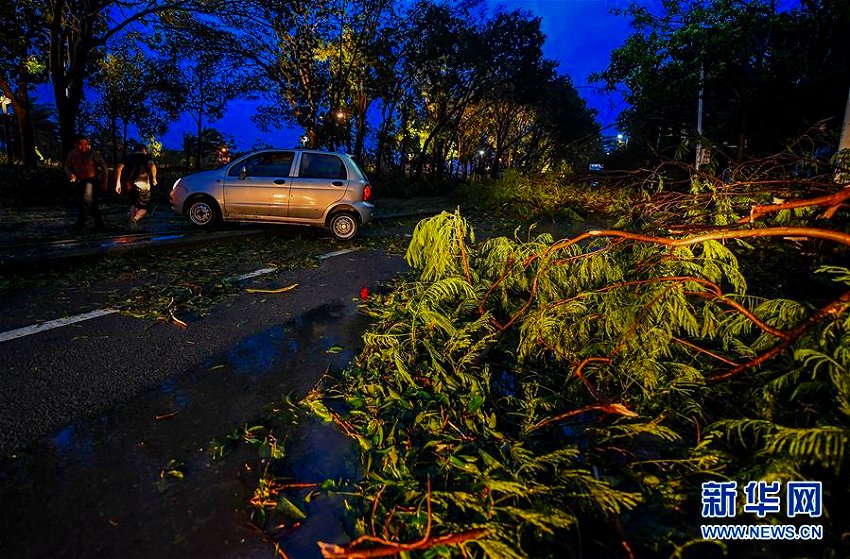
612	409
386	548
333	551
704	351
832	201
791	336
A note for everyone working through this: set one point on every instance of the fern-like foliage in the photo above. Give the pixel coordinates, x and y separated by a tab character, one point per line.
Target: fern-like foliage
541	387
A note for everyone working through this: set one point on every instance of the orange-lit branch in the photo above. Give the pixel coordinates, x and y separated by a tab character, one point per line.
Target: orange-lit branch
612	409
809	232
699	349
332	551
835	307
832	202
386	548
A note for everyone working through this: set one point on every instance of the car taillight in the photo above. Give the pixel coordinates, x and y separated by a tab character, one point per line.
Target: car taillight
367	192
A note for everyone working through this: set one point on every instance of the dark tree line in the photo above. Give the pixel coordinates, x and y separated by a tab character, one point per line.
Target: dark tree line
426	89
769	71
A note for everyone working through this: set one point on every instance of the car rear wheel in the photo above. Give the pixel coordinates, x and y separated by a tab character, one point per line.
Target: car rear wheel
202	212
343	226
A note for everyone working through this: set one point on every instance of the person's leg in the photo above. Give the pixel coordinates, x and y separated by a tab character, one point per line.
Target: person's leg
95	205
134	205
86	196
144	197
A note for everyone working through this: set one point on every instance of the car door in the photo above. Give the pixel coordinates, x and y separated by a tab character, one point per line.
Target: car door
258	186
322	180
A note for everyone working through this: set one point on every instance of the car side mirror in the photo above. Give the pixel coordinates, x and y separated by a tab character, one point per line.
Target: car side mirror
243	174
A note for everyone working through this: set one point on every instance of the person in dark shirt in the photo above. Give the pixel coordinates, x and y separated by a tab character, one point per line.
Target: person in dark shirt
86	169
135	175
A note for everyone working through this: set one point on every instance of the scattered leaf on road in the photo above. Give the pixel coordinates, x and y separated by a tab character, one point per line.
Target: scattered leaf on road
281	290
177	321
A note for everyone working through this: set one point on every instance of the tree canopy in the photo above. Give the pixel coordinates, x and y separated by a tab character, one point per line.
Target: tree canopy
768	72
426	88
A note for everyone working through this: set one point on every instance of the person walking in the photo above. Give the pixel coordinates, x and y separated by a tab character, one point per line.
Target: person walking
135	175
86	169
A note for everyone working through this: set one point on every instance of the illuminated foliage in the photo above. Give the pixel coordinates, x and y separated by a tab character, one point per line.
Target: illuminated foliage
514	394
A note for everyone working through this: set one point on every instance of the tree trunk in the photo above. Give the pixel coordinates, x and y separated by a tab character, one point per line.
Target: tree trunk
186	153
198	143
420	163
124	139
114	133
360	140
20	106
68	76
387	113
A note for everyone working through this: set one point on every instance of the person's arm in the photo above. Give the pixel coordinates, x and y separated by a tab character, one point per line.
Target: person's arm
69	170
153	173
118	169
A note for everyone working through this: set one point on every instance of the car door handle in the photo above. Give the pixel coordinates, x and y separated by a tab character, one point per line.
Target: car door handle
337	183
280	181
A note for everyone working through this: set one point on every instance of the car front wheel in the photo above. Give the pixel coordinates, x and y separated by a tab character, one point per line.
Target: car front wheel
343	226
201	212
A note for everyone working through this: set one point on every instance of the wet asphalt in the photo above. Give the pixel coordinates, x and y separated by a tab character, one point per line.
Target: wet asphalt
82	446
91	414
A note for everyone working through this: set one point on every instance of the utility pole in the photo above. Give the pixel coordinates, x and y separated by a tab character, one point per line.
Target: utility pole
700	96
842	158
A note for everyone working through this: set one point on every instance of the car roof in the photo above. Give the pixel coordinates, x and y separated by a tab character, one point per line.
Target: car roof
299	149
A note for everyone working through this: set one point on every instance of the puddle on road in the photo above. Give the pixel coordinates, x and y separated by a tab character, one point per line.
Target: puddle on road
316	452
93	488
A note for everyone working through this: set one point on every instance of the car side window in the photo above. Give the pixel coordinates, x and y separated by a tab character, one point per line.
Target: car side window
322	166
268	164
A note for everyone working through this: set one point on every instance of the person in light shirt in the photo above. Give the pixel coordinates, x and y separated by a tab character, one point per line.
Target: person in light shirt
135	175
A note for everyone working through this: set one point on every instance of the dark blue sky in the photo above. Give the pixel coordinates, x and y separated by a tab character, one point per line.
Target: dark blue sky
580	35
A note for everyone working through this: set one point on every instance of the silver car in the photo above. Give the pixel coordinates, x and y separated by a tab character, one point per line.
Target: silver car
304	187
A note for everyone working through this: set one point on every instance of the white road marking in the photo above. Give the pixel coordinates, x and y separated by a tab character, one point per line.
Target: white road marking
254	274
336	253
49	325
59	322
